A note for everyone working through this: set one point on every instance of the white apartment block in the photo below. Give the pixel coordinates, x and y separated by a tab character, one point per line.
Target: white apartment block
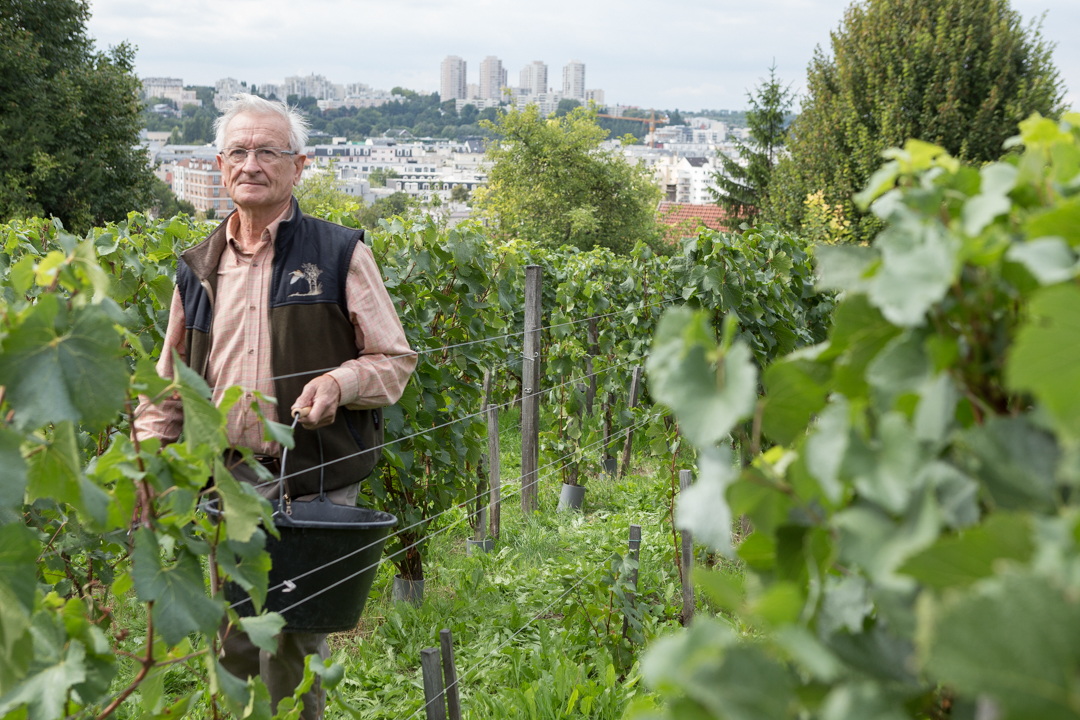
472	91
315	86
596	96
548	103
573	83
170	89
225	90
492	77
452	82
478	103
534	78
272	89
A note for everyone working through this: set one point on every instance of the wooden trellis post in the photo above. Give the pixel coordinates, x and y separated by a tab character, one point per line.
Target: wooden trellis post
628	446
530	392
686	557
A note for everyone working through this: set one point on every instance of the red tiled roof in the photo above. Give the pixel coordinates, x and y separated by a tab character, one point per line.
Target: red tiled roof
684	219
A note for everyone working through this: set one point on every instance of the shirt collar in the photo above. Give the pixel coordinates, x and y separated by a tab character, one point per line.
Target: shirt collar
269	234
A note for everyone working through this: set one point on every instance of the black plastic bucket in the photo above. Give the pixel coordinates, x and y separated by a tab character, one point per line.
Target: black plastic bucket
323	565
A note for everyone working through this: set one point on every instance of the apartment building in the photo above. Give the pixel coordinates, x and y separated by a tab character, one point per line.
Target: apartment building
198	180
315	86
534	78
170	89
452	79
573	84
225	90
492	78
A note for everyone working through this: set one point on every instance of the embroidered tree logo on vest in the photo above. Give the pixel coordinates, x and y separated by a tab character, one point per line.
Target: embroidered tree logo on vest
311	273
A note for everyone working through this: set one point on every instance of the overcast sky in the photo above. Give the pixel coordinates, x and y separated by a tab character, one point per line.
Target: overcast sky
688	55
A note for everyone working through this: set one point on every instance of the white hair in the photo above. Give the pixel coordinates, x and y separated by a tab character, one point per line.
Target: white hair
255	105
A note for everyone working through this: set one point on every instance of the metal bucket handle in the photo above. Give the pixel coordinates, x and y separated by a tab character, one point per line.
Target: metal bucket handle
283	496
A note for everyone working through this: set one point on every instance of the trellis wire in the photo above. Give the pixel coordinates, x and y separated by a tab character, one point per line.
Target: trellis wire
463	504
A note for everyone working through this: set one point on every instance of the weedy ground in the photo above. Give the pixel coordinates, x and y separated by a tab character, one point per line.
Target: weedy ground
538	623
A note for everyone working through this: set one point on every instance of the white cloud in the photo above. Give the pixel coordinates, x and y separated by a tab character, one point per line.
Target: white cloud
697	54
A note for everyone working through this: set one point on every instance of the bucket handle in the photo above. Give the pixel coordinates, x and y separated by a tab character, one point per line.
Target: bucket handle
283	492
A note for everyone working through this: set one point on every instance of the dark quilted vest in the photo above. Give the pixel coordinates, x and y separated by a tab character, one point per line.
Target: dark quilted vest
309	332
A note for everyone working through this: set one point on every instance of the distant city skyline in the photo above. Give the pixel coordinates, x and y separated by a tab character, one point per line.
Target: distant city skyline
700	55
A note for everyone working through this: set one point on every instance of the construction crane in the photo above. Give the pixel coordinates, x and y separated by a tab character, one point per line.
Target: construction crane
652	120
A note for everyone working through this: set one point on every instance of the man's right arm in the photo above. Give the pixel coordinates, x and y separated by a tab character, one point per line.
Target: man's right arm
165	419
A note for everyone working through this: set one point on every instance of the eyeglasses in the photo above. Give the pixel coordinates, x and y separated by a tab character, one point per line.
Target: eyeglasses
238	155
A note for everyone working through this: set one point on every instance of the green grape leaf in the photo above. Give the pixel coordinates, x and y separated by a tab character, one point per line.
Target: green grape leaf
703	508
960	561
45	692
1015	461
63	365
1061	221
56	469
202	421
13	479
1049	259
248	565
263	630
244	507
795	391
729	680
681	377
866	700
918	265
1017	640
827	445
180	602
1043	357
844	267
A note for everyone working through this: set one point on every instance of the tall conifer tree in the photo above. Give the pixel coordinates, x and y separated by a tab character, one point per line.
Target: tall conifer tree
742	186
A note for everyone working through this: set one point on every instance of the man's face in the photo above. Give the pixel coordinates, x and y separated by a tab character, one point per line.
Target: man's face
253	184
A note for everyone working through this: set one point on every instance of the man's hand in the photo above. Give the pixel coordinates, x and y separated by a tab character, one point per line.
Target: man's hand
318	404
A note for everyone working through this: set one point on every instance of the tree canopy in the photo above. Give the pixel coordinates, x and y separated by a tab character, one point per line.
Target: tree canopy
957	73
70	119
551	182
743	187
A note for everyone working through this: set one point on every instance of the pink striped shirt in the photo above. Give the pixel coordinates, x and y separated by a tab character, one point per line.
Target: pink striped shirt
240	344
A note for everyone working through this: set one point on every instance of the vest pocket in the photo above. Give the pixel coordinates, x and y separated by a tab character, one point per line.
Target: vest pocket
352	429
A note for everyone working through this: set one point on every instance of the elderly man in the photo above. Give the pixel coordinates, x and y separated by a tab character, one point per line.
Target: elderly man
291	307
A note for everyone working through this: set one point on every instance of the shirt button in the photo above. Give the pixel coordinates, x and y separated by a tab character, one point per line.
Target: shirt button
252	350
254	264
252	307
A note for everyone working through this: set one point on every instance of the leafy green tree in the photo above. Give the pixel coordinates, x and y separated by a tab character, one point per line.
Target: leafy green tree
957	73
70	118
565	106
398	203
165	204
552	183
459	193
742	186
321	189
379	176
